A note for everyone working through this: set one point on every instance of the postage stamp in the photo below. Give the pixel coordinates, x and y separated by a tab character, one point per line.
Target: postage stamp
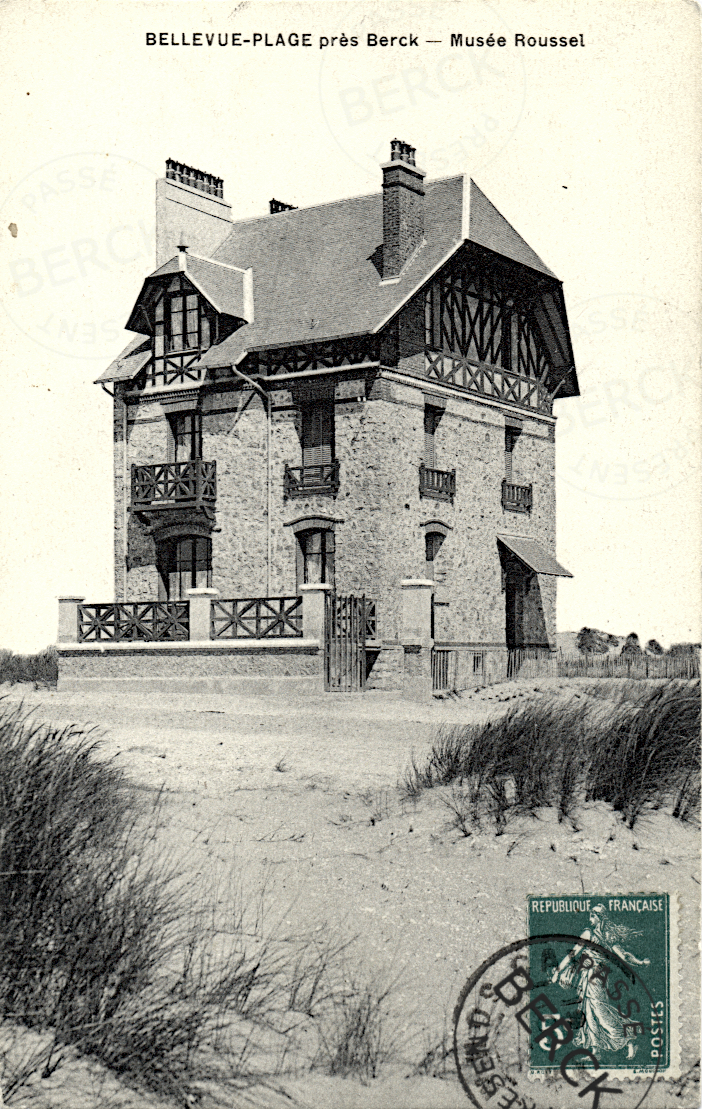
581	1011
617	991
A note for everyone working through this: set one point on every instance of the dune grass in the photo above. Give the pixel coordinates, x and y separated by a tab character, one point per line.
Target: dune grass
635	748
106	949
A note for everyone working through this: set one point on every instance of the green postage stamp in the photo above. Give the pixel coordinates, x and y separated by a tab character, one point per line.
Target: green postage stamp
605	982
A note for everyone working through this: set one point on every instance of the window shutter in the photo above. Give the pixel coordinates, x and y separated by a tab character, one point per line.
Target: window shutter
429	429
318	435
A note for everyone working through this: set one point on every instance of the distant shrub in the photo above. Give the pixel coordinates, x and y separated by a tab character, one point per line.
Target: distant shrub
631	645
679	649
41	668
592	641
653	647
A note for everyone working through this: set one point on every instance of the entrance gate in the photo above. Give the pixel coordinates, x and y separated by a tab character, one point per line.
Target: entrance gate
344	643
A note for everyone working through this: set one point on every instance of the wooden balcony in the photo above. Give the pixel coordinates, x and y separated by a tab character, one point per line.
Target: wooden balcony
439	484
300	481
516	498
174	485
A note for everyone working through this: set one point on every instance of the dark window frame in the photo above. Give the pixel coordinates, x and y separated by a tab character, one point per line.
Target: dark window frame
185	442
172	328
306	540
181	568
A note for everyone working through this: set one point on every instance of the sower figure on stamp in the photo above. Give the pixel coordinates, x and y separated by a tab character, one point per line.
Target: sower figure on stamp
605	1027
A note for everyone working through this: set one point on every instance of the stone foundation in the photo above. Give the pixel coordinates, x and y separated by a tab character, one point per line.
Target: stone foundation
293	668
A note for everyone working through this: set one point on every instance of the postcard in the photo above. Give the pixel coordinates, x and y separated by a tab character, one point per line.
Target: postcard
350	622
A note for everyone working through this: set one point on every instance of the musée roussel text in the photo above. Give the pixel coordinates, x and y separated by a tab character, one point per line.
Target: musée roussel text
295	38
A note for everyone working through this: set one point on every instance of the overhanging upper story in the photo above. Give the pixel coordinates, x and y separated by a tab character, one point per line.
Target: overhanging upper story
426	279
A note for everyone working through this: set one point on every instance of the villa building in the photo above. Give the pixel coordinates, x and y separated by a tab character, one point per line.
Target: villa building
358	395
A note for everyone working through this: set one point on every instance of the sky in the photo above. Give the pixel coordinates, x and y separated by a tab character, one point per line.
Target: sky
591	151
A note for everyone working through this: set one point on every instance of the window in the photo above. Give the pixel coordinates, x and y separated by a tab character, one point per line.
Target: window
432	544
511	436
184	563
182	320
186	436
485	317
431	422
316	562
318	435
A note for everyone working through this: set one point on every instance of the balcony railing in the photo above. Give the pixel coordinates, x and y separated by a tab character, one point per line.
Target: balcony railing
174	484
440	484
299	481
147	621
516	498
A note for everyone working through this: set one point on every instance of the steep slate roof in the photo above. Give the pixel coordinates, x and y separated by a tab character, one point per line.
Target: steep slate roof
316	271
127	365
490	229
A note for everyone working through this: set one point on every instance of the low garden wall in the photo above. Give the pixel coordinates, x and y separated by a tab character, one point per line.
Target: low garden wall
279	667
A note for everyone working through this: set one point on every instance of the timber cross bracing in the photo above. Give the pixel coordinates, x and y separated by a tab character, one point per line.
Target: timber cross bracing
491	330
352	351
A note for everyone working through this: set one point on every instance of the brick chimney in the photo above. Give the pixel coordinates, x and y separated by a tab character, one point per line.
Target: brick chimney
403	208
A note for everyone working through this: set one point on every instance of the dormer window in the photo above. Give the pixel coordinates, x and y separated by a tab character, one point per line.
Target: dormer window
182	319
183	325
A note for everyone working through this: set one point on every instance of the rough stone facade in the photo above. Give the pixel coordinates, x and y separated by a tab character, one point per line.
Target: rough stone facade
379	517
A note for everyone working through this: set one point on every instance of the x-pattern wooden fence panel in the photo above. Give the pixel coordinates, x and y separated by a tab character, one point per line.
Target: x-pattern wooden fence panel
257	618
149	621
371	617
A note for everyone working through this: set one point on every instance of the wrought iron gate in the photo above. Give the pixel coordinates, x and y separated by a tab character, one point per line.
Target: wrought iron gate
443	670
344	643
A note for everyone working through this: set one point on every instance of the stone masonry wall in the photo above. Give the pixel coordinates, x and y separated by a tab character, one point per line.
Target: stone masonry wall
380	518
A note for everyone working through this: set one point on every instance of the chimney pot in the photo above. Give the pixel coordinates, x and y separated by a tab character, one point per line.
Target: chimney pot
403	207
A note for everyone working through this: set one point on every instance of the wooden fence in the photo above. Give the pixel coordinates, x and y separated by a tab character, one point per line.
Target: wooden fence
540	663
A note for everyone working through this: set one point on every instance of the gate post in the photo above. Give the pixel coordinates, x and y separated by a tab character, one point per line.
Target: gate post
415	636
313	610
200	617
68	619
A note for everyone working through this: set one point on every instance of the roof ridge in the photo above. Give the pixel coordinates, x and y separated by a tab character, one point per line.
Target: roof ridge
214	262
340	200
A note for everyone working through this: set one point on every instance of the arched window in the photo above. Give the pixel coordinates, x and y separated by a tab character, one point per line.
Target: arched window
432	545
184	562
316	549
